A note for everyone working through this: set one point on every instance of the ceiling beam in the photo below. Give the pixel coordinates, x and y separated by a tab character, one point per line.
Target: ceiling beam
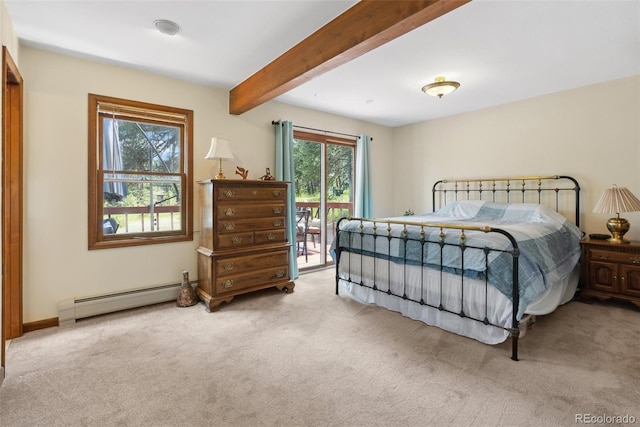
362	28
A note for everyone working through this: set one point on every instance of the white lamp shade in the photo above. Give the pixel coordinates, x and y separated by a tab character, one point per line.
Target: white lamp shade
220	149
616	200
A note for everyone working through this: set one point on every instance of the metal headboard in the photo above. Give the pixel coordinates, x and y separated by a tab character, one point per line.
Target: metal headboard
542	190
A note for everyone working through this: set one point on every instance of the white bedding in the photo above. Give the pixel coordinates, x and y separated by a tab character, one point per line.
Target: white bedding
499	307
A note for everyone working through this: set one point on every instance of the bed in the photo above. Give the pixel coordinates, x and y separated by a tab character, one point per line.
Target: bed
493	254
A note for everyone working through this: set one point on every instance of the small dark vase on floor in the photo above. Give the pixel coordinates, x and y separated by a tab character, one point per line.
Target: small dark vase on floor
187	296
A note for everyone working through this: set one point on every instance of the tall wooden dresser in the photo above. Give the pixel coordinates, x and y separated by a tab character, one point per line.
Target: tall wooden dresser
243	242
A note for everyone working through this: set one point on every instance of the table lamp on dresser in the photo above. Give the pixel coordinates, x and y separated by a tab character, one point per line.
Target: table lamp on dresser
220	151
613	201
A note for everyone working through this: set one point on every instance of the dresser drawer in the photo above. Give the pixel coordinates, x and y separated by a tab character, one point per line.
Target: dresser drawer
234	283
270	236
242	264
611	256
227	194
240	225
234	240
245	211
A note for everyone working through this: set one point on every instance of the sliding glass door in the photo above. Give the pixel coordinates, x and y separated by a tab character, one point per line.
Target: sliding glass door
324	178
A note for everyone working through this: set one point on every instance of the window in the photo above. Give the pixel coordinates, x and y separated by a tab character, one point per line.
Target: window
140	163
324	176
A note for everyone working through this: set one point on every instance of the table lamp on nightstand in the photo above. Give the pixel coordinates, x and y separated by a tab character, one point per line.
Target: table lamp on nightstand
616	200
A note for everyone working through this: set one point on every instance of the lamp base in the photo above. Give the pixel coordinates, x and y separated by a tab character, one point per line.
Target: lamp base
618	227
220	174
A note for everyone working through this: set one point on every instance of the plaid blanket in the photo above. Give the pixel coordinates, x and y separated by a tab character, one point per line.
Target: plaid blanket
548	242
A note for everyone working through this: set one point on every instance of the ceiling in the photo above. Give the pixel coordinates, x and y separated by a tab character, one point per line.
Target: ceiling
500	51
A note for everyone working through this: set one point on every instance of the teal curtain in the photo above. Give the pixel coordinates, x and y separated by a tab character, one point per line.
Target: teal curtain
362	208
285	172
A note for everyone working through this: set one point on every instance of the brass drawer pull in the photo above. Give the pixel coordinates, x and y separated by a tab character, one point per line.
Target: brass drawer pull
604	256
276	193
277	223
277	209
635	259
229	212
229	266
271	236
280	274
227	283
230	193
236	239
229	226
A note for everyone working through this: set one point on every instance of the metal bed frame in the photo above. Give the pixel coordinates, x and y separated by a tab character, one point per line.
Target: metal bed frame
531	189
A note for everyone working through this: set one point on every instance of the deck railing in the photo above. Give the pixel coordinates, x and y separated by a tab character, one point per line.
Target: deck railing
162	218
335	211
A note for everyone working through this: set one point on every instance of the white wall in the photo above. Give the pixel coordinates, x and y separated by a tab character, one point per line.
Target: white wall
591	133
57	264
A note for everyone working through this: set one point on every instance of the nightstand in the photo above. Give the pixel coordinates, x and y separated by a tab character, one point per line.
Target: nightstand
610	271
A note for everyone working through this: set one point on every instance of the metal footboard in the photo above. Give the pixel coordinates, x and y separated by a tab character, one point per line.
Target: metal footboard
378	232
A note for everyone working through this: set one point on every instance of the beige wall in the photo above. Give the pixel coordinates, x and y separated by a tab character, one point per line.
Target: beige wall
7	33
57	262
591	133
9	39
574	133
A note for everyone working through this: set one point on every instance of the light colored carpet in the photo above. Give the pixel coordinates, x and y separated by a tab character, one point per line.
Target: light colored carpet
312	358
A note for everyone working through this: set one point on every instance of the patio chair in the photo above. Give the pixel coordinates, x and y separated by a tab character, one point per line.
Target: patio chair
109	226
314	231
302	229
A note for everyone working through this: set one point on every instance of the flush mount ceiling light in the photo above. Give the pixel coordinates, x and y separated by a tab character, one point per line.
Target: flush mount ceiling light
440	87
167	27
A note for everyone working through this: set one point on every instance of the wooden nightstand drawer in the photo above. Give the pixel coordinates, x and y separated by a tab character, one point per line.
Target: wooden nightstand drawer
611	256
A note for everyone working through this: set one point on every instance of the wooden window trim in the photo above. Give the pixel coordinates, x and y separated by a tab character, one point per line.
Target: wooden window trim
96	238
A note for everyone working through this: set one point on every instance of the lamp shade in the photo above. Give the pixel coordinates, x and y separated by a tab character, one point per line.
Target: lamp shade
220	150
616	200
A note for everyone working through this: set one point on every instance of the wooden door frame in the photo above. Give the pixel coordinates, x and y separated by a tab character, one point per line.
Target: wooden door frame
12	200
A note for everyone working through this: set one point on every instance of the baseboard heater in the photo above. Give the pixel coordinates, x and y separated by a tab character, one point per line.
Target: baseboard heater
69	310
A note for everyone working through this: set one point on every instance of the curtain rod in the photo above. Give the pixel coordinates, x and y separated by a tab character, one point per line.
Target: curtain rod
274	122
